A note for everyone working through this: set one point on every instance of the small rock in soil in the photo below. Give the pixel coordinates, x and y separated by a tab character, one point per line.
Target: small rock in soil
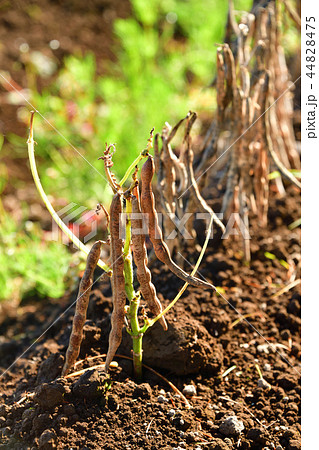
47	440
90	385
257	436
49	395
162	399
231	426
51	368
189	390
218	444
143	390
294	445
69	410
41	422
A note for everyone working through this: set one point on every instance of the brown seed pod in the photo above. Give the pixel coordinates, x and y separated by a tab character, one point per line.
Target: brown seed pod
140	257
81	308
160	248
117	280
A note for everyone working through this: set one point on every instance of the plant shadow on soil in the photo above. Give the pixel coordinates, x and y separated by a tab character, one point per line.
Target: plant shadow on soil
202	342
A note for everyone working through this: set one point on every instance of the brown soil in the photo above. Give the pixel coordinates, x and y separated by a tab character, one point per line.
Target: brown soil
41	410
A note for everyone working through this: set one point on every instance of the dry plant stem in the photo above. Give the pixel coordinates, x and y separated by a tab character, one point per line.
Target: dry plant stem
49	206
293	14
155	233
172	167
286	288
140	257
189	156
82	371
210	148
108	163
182	290
117	280
285	172
82	303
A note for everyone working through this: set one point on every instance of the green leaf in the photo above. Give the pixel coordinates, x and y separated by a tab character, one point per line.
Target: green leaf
273	175
270	255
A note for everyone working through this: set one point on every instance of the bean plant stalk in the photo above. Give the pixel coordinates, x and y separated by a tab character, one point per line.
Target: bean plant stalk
135	331
122	261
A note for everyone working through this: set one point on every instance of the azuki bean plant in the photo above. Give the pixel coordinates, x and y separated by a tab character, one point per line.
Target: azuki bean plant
136	204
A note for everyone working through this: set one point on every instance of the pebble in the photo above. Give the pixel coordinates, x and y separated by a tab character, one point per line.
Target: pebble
267	367
262	383
189	390
231	426
6	431
142	390
285	399
162	399
171	412
47	439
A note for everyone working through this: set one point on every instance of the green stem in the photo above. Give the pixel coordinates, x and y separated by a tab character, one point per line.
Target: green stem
49	206
133	297
142	155
137	337
131	168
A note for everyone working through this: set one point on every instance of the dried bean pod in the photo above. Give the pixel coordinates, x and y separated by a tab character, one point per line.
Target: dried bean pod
117	280
140	257
81	308
160	248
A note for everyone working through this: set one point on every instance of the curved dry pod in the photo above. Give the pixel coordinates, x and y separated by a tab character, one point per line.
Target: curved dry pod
155	233
82	302
140	257
117	280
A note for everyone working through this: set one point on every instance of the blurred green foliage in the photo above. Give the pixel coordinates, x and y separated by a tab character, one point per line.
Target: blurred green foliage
22	253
